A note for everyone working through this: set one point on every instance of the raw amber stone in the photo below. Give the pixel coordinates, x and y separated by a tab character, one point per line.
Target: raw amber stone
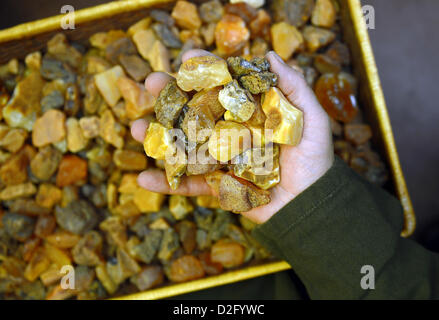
253	3
186	15
358	134
63	239
295	12
213	179
18	191
110	130
97	65
240	66
258	82
243	10
208	33
180	206
89	126
148	201
17	226
204	72
48	195
149	277
116	230
238	195
210	267
208	97
316	38
13	140
75	138
158	141
13	171
175	170
102	274
106	82
325	64
168	246
118	47
211	11
49	128
260	166
324	14
87	250
283	119
128	183
59	47
208	202
22	109
72	169
138	101
56	255
159	224
102	39
286	39
169	104
228	140
159	57
38	264
45	163
142	24
229	253
129	160
29	248
238	101
186	268
135	66
33	60
231	34
260	26
336	96
77	217
187	233
198	123
124	268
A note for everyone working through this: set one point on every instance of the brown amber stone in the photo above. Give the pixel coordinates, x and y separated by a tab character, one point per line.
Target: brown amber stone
186	268
37	265
357	133
242	9
295	12
209	98
45	225
210	267
129	160
149	277
48	195
13	171
316	38
229	253
72	169
169	104
63	239
231	34
336	96
45	163
211	11
187	233
260	27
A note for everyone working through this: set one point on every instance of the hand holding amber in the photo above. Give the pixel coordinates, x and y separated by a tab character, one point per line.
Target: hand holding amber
303	156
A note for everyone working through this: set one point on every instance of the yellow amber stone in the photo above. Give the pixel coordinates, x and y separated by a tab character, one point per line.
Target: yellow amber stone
231	34
106	82
56	255
324	14
129	160
128	184
49	128
159	224
158	141
110	130
138	101
180	206
76	140
186	15
204	72
213	179
148	201
18	191
208	202
228	140
139	25
286	39
283	119
48	195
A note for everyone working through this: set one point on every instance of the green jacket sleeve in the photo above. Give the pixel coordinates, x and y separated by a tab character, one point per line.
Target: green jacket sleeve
340	224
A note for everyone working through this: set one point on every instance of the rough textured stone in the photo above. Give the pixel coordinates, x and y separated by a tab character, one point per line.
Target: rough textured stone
77	217
106	82
231	34
72	170
186	15
237	101
324	14
169	104
286	39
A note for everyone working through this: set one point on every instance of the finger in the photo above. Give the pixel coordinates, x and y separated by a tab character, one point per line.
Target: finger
196	53
156	81
138	129
155	180
293	84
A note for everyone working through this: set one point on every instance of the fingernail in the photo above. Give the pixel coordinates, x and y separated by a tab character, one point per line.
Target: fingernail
276	57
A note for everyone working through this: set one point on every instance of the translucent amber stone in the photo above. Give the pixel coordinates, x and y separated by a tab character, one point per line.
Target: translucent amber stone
129	160
229	253
138	101
324	14
106	82
238	195
295	12
89	126
76	140
260	27
110	130
286	39
49	128
237	101
203	73
18	191
283	119
186	268
336	96
231	34
48	195
186	15
213	179
228	140
158	141
209	98
357	133
72	169
208	202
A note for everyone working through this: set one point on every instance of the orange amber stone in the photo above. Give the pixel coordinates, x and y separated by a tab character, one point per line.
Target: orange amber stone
337	97
210	267
231	34
229	253
186	268
72	169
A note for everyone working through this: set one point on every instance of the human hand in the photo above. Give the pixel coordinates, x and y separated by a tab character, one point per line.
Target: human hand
300	166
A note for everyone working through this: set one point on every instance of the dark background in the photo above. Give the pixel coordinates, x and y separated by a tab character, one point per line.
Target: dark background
406	47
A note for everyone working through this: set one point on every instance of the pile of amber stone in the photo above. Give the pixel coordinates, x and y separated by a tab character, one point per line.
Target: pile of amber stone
68	164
